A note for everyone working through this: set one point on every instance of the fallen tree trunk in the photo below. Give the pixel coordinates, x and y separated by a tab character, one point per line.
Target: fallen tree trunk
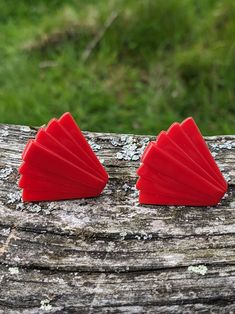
110	254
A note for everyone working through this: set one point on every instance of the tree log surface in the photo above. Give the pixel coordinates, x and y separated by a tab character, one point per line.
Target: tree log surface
110	254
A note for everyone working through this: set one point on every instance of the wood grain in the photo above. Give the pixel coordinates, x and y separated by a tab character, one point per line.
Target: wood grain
110	254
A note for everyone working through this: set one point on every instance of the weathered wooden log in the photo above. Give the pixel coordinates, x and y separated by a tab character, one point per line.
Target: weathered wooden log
110	254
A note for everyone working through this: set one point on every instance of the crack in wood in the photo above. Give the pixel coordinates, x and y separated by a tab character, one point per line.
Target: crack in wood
115	236
222	301
133	271
96	291
10	237
214	300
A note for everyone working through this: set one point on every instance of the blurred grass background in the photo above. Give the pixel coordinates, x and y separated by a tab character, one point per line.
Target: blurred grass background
152	62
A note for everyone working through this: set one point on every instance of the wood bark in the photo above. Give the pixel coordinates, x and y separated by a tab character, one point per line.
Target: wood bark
110	254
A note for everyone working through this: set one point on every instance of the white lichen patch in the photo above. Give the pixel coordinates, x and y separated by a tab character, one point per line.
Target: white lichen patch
46	211
126	187
123	138
4	133
14	197
53	205
216	147
123	234
115	142
5	172
144	236
129	152
34	208
147	236
227	177
20	206
135	158
132	198
25	129
95	147
200	269
13	270
119	156
110	247
134	193
227	145
45	305
5	232
130	148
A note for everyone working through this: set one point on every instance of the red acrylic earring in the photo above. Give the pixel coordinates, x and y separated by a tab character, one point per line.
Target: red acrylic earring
60	164
178	169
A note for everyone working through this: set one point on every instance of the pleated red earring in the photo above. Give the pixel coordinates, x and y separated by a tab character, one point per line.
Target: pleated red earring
178	169
60	164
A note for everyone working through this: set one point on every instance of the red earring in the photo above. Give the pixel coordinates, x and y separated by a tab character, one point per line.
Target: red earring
178	169
60	164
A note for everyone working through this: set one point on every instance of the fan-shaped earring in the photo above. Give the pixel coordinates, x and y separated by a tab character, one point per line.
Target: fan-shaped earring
60	164
178	169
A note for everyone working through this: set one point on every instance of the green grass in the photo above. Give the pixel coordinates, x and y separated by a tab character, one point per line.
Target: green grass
160	61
